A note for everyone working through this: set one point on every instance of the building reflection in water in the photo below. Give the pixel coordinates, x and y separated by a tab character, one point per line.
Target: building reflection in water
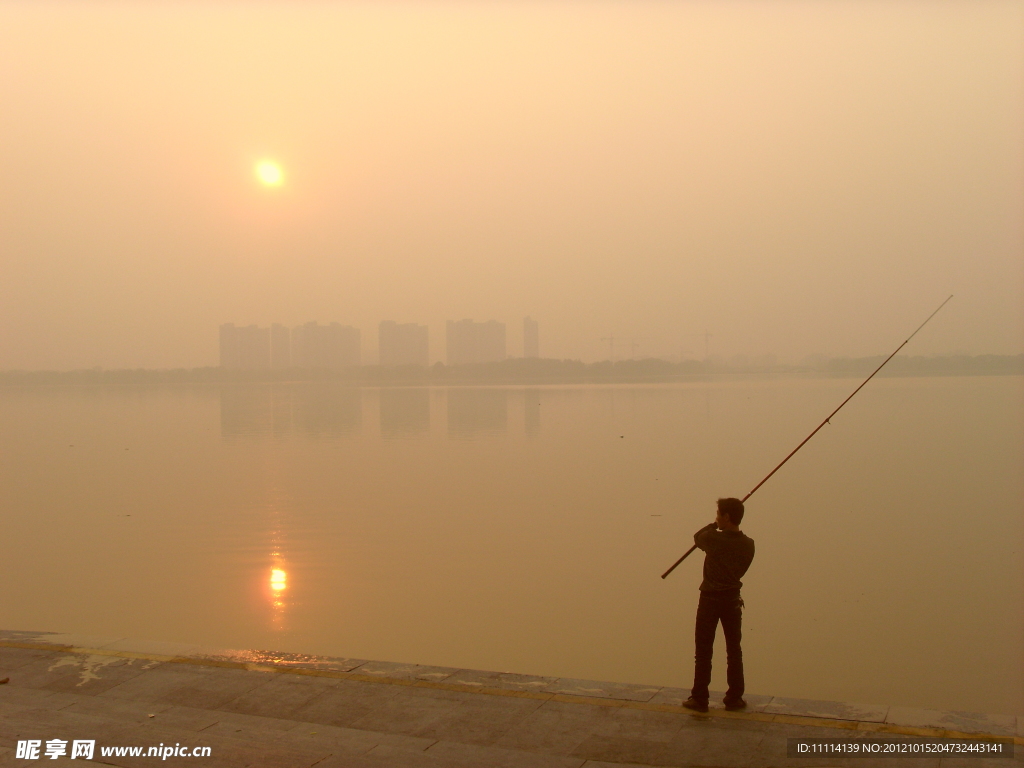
326	410
475	410
404	411
316	409
531	411
255	411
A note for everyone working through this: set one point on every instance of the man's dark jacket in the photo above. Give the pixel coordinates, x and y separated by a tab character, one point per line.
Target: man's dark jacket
729	554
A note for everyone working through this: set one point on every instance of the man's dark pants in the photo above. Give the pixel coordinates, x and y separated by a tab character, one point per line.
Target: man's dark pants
726	607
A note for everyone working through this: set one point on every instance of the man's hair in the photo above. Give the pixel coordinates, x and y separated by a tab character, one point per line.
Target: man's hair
732	508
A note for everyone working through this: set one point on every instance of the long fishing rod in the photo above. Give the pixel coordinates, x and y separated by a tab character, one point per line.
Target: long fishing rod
826	421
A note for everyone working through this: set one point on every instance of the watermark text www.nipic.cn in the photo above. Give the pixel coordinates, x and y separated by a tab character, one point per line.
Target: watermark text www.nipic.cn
35	749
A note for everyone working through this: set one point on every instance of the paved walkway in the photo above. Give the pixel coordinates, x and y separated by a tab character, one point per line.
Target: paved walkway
258	709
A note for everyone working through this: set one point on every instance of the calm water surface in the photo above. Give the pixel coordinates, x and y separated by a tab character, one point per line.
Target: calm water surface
525	528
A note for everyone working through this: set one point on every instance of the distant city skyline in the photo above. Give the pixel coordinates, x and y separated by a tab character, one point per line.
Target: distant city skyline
797	178
335	346
468	342
403	343
310	345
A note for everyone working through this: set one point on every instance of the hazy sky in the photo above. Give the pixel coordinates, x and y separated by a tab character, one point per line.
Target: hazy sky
794	177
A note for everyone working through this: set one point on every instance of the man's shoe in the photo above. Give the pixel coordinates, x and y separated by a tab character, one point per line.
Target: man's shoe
696	706
731	705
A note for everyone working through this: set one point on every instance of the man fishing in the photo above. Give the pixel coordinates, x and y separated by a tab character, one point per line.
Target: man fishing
728	553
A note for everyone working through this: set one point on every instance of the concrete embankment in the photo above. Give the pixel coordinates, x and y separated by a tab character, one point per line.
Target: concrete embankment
261	709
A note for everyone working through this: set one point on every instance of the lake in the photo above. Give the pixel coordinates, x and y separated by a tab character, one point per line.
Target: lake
524	529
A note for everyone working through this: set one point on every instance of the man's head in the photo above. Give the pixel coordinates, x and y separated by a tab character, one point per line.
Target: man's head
730	512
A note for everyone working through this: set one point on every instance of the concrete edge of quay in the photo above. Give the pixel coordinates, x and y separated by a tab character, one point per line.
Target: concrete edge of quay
850	716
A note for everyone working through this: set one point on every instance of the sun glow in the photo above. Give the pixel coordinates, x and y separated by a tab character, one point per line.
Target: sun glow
269	173
278	580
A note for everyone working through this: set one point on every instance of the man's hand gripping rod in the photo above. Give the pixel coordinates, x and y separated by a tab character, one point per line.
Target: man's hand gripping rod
826	421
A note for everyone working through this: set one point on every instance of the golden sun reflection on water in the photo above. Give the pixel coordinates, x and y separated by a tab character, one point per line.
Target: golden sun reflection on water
276	587
278	580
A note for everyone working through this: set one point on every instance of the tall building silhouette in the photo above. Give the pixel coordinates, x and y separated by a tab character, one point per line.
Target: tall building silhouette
244	347
403	343
325	346
280	346
469	342
531	338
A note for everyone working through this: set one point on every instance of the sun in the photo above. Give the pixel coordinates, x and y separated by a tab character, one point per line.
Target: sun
269	173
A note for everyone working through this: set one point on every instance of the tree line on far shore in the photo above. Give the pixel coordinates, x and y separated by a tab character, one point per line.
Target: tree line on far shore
539	370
